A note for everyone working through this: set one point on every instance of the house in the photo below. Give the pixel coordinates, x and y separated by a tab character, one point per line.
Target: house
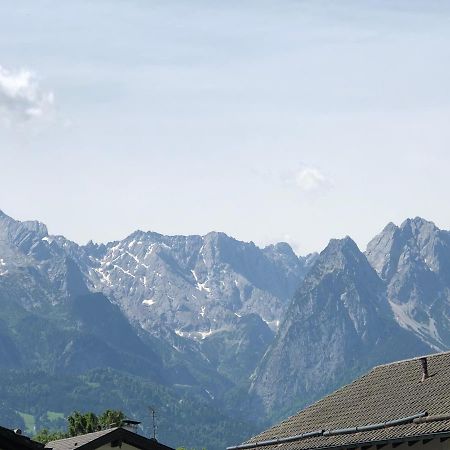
118	437
402	404
13	440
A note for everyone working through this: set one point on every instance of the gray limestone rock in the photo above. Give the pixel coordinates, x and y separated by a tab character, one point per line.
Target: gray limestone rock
338	325
414	261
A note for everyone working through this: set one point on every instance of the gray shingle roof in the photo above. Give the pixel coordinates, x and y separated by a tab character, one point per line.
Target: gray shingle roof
77	441
387	392
97	439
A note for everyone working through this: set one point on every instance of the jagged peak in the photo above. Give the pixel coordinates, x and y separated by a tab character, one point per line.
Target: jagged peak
346	244
340	254
412	225
415	239
219	238
281	247
135	235
390	227
419	231
33	226
36	227
411	228
417	223
5	216
215	235
140	234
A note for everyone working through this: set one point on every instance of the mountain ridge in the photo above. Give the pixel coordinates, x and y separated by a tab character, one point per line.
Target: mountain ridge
218	321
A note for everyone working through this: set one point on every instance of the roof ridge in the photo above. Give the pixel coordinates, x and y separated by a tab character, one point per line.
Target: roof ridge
415	358
86	434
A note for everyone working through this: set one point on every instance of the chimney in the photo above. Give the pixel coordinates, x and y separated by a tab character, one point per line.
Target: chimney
424	363
131	425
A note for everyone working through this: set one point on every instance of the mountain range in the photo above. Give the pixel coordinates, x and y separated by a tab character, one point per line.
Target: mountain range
222	337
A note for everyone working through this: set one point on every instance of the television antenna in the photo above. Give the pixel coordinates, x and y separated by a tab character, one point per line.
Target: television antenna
153	414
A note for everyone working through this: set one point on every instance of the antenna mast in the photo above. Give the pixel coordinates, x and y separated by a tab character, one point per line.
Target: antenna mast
153	412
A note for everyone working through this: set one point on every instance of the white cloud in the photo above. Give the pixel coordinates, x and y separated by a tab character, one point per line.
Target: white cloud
21	96
310	179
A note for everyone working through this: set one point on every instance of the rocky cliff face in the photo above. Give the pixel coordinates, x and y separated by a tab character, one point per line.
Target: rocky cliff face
338	325
50	320
195	285
195	295
414	261
36	271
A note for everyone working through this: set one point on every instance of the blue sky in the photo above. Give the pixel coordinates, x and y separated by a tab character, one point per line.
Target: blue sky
269	120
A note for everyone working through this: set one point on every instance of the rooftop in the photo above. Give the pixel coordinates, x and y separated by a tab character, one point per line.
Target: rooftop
95	440
391	392
10	440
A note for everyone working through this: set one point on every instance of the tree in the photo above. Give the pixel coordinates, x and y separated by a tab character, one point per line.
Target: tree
111	418
82	423
44	436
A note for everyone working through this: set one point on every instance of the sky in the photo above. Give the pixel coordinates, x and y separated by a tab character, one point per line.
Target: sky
270	120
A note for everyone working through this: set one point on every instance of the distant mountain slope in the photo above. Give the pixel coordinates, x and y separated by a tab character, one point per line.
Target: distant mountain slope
192	312
246	333
338	325
49	316
51	320
198	287
184	416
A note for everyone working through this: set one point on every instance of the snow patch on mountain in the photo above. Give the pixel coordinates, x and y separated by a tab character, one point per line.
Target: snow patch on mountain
148	302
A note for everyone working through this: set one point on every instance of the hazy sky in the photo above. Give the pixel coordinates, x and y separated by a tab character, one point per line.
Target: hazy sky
267	119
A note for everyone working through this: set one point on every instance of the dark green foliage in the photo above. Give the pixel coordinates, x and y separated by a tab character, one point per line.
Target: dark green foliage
111	417
184	414
79	423
59	361
58	357
82	423
45	436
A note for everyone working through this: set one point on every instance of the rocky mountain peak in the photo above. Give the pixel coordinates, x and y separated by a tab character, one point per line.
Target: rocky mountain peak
338	317
21	235
418	225
33	226
282	248
414	261
346	247
417	241
341	255
349	280
218	246
140	235
382	247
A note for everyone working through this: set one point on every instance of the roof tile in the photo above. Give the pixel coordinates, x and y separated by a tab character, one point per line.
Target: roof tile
387	392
